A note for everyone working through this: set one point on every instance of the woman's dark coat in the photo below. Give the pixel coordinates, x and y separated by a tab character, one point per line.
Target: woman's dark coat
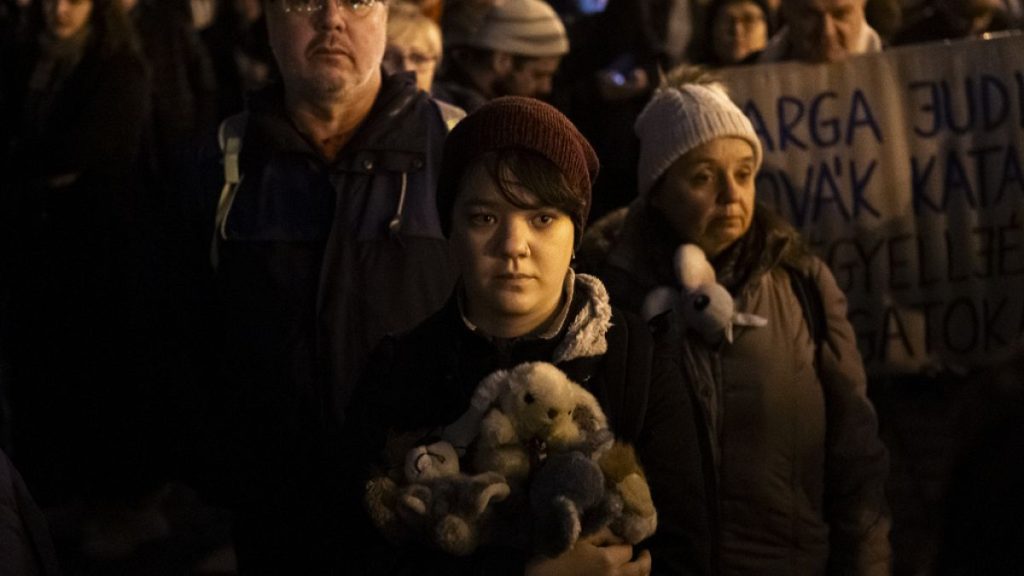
424	379
799	469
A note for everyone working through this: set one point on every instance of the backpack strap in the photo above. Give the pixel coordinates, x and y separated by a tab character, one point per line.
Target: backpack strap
229	138
809	296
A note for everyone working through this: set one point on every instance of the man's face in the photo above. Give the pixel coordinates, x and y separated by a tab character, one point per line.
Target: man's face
531	78
327	52
824	30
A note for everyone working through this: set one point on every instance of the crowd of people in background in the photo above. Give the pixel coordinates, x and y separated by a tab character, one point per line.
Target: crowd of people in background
213	211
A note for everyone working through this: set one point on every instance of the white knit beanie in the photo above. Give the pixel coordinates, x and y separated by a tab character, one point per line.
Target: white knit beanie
521	27
678	119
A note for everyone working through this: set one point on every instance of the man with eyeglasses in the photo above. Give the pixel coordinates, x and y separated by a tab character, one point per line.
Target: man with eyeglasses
326	239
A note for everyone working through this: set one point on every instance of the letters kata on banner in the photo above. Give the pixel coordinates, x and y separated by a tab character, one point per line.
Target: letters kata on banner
905	171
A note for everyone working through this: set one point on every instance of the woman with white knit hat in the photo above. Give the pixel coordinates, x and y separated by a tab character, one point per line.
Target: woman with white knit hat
798	470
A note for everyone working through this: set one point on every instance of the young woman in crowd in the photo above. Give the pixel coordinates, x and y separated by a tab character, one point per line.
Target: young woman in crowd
513	199
791	438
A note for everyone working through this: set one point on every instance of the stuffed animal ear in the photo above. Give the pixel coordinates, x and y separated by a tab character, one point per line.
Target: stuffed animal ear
463	431
495	489
692	268
490	389
749	319
588	414
429	462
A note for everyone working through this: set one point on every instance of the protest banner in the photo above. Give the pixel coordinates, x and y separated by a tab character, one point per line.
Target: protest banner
905	171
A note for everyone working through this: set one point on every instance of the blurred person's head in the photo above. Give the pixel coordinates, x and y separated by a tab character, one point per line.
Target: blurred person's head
514	194
66	18
414	43
825	30
430	8
104	22
328	49
699	156
510	48
739	28
971	17
248	10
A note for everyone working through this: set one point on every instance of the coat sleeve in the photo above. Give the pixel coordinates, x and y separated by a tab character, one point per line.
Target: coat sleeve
856	461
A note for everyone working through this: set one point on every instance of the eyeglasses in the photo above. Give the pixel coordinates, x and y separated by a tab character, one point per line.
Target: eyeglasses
357	7
398	58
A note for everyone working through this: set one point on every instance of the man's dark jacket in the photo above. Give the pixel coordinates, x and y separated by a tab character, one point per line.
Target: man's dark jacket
316	261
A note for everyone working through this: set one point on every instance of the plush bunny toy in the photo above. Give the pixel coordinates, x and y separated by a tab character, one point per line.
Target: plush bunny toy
705	305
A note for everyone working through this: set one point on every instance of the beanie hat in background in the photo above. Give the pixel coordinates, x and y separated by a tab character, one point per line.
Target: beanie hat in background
516	122
678	119
521	27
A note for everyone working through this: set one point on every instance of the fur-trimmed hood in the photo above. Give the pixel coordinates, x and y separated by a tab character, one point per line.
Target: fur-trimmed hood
585	334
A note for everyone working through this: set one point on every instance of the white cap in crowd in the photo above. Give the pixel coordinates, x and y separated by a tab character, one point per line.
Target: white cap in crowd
678	119
522	27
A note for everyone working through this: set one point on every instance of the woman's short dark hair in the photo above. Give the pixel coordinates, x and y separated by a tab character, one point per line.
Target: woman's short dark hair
515	169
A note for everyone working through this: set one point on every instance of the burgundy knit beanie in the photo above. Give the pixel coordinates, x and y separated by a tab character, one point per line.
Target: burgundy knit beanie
515	122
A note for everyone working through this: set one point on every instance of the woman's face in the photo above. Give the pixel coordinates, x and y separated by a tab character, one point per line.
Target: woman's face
413	55
738	31
65	18
513	261
707	195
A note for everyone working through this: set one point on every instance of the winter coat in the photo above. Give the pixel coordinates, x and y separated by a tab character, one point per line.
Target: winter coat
317	261
423	380
789	430
26	548
67	207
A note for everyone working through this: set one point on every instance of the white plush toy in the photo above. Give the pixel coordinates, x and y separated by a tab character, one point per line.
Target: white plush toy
539	410
705	305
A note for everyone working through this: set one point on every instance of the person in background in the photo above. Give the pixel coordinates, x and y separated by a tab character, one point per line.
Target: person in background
325	238
739	30
798	469
953	19
70	216
236	39
818	31
510	48
513	198
183	98
414	44
76	92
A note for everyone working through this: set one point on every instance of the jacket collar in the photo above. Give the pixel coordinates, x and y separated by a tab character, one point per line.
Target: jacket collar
393	135
581	332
